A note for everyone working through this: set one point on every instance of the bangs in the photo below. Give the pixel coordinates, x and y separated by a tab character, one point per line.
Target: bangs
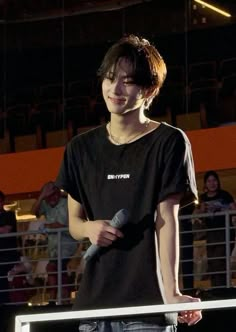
137	58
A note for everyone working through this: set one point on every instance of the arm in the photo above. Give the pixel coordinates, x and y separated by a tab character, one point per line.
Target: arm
167	231
54	225
46	191
36	206
99	232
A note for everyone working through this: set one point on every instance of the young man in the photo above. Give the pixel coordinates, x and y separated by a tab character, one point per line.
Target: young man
144	167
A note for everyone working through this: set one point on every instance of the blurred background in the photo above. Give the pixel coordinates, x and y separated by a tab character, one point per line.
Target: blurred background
49	55
50	52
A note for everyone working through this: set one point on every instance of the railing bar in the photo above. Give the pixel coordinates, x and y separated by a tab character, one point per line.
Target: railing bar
129	311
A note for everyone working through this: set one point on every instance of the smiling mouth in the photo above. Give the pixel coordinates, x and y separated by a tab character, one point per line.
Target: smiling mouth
117	101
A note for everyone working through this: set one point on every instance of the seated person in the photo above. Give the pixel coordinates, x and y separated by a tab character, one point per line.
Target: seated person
53	205
20	276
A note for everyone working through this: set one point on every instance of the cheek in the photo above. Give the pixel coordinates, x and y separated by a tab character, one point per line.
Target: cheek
104	88
137	94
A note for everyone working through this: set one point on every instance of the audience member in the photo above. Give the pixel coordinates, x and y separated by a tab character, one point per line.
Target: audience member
215	199
8	248
20	280
53	205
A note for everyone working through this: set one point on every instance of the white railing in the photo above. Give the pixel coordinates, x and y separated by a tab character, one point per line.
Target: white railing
22	322
230	241
37	255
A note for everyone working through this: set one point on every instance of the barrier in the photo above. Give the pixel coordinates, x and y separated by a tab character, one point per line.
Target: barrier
189	270
22	322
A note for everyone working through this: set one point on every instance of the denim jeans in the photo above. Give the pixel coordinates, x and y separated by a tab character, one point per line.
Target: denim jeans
120	326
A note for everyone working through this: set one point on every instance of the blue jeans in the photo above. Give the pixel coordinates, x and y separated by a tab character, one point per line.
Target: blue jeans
120	326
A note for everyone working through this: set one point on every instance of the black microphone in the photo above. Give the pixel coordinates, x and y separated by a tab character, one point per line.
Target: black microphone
118	221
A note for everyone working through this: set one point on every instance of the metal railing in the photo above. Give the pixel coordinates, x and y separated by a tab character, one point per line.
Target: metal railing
36	252
23	322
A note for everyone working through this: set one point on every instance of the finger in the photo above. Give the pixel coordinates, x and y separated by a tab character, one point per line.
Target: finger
114	231
104	242
190	317
195	318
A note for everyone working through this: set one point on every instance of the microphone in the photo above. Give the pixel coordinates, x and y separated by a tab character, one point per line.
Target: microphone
119	220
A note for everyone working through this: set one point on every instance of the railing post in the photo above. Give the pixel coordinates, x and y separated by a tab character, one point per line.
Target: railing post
59	268
227	245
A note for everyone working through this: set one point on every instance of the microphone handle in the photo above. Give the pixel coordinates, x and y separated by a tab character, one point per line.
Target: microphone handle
91	251
118	221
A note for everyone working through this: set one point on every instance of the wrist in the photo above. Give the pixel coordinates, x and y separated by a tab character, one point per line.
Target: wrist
173	296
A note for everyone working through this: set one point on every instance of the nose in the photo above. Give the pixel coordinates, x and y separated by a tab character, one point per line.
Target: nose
116	87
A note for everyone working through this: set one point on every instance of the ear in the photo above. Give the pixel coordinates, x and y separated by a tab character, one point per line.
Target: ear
149	95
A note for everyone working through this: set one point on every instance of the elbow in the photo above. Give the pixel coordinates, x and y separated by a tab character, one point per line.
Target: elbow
75	234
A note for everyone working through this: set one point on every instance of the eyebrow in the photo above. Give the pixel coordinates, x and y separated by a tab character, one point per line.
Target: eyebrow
130	76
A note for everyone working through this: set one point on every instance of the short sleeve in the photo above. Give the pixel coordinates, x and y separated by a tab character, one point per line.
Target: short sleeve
229	197
178	173
67	178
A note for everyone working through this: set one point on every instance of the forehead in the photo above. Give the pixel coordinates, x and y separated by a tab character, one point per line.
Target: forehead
123	66
211	178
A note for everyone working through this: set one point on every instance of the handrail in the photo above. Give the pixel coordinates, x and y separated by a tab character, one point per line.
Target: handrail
22	322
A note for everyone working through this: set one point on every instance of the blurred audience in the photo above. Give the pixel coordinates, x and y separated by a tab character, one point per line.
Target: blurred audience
20	280
215	199
8	248
52	203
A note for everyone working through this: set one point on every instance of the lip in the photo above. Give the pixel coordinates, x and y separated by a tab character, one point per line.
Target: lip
117	101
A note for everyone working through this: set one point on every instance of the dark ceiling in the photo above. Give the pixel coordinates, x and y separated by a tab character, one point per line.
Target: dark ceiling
11	10
44	22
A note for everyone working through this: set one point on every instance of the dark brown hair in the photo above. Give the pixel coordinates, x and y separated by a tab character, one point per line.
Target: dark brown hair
214	174
149	68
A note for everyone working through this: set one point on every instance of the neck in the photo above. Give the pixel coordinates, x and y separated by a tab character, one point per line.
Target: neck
212	193
127	133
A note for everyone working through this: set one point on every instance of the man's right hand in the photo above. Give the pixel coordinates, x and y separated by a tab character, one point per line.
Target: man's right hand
101	233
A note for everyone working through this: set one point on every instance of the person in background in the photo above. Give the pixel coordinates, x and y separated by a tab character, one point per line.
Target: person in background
21	280
8	248
53	205
140	165
215	199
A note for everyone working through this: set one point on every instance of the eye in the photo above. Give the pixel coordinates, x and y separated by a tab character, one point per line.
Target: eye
129	82
109	76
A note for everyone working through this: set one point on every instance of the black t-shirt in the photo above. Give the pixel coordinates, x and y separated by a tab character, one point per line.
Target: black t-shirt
105	178
220	202
8	218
